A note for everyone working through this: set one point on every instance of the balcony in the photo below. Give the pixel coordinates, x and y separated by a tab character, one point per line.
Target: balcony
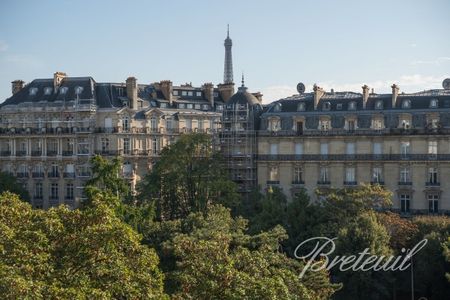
323	182
5	153
350	157
21	153
37	174
431	184
84	174
403	183
297	182
350	183
69	175
22	175
273	182
53	174
67	152
52	153
377	182
36	153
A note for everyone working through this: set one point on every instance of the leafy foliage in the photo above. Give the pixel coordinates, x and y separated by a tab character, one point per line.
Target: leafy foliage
187	178
9	183
73	254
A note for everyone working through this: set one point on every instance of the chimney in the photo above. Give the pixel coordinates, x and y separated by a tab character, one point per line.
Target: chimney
395	89
57	78
131	83
226	90
366	94
318	93
258	96
17	85
208	90
166	89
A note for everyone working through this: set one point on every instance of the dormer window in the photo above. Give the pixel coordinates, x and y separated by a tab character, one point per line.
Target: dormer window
277	107
301	107
433	103
198	94
63	90
352	105
216	94
379	104
190	106
190	93
406	104
339	106
327	106
78	90
175	93
47	91
405	124
33	91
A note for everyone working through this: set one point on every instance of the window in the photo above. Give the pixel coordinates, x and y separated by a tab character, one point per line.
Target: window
298	148
205	106
350	174
190	93
175	93
38	190
189	106
47	90
273	176
350	148
169	124
33	91
352	105
298	175
105	144
379	104
324	124
198	106
153	124
405	124
404	175
434	123
432	147
433	103
219	107
54	191
126	146
406	104
326	106
301	107
324	178
377	175
54	171
198	94
351	125
273	149
274	124
183	93
432	175
63	90
120	91
339	106
181	105
200	124
188	124
405	148
377	124
404	202
69	191
155	146
126	123
163	105
377	149
324	148
277	107
78	90
83	146
216	94
433	203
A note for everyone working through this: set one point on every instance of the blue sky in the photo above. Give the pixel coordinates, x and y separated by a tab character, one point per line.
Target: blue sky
336	44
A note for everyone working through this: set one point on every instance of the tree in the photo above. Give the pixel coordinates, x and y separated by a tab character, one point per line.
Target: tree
106	177
73	254
9	183
188	177
215	259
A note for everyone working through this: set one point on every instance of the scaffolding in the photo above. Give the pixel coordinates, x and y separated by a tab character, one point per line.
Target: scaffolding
238	145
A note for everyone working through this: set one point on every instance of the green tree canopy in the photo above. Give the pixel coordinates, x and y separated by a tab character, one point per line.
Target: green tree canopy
9	183
211	257
188	177
73	254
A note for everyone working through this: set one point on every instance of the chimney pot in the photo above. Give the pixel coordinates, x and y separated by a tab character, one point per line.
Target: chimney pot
131	84
17	85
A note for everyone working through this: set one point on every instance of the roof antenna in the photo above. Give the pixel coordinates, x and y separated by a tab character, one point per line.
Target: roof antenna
228	30
242	79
